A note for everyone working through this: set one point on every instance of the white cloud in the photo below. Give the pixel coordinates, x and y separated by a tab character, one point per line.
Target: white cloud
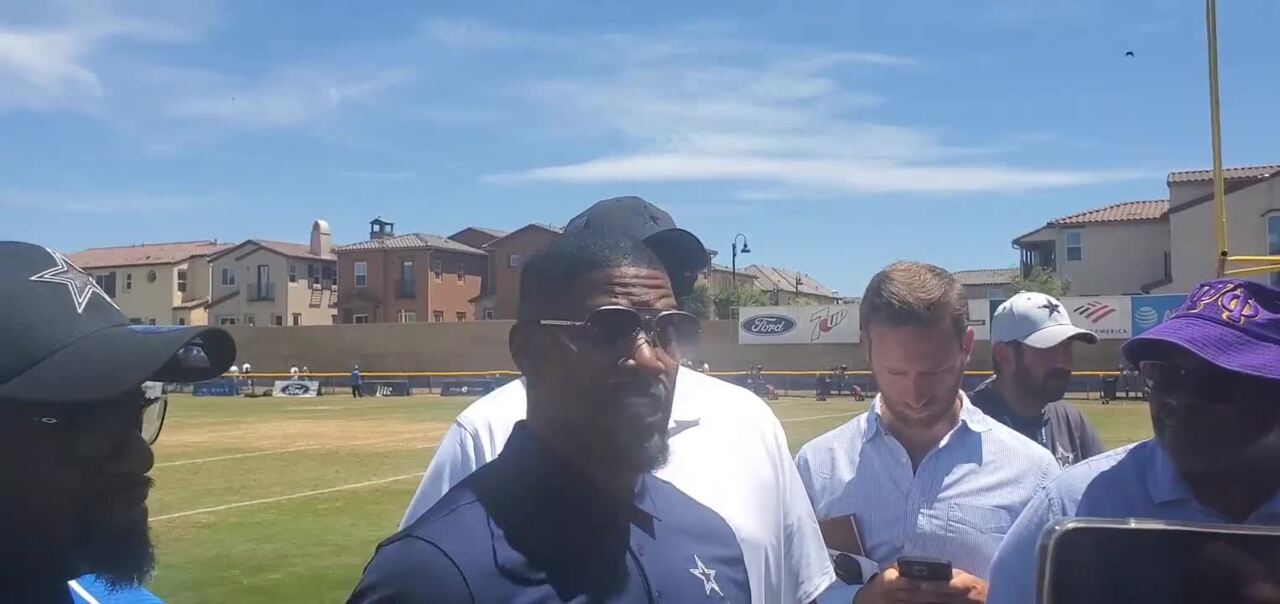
288	99
788	121
49	64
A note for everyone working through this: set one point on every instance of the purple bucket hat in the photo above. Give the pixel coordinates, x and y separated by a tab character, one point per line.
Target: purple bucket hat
1232	323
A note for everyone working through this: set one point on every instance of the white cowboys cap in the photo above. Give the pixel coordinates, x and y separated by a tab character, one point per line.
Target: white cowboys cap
1037	320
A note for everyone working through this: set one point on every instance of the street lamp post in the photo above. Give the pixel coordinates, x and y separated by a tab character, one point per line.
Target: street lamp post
746	249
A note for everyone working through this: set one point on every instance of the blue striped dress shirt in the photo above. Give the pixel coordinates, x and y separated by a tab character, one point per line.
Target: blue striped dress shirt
957	505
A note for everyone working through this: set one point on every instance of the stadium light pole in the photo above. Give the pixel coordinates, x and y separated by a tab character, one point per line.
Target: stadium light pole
746	249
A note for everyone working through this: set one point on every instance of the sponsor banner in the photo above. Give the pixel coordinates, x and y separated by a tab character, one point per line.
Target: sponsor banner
1111	317
298	388
384	387
827	324
467	387
1149	311
217	387
980	319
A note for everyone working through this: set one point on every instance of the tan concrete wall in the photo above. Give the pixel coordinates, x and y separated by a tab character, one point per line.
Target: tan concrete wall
1118	258
482	346
1194	239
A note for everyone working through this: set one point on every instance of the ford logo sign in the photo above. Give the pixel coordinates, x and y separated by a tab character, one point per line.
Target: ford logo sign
769	325
295	389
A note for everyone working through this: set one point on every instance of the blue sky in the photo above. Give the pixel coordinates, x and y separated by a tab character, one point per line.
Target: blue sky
838	136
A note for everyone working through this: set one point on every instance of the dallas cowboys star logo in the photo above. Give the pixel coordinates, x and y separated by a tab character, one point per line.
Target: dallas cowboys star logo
82	285
707	575
1051	307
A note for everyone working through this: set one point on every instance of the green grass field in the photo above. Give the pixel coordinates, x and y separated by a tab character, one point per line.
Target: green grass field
283	500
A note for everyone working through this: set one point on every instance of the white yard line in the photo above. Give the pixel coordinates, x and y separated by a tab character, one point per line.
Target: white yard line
287	497
805	419
292	449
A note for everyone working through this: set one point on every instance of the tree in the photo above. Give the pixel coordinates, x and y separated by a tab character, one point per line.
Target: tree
1041	280
698	303
725	301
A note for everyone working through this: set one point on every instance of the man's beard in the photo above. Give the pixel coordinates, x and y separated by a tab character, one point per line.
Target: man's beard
116	549
642	427
1052	388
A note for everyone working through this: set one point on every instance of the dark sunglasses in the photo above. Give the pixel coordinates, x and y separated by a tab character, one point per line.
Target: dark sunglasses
1208	384
98	429
618	326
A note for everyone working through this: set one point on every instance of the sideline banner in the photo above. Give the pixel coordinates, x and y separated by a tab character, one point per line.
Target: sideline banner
826	324
1111	317
1149	311
384	387
217	387
295	388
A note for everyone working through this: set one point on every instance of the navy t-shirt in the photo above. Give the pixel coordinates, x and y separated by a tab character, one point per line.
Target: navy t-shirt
1060	428
528	527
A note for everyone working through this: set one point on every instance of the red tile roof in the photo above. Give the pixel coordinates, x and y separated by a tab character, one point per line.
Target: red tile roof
145	254
986	276
1246	172
409	242
771	277
1121	212
292	250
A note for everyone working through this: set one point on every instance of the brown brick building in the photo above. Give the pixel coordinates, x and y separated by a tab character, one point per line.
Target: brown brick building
506	258
409	278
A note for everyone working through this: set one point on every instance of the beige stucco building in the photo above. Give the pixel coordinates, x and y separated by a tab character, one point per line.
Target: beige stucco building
1118	249
274	283
156	283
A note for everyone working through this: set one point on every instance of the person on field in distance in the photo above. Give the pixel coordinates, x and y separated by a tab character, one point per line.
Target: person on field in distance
76	426
355	382
1213	370
728	450
923	473
569	510
1032	342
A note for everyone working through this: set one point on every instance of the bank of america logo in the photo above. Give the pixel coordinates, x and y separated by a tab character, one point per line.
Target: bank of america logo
1095	311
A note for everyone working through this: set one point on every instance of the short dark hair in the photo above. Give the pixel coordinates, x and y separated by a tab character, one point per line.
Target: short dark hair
909	293
548	278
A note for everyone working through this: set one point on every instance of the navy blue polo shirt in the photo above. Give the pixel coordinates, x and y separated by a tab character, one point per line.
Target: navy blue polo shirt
528	527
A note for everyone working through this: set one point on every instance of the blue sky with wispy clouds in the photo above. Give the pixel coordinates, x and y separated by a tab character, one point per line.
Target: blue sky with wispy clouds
838	136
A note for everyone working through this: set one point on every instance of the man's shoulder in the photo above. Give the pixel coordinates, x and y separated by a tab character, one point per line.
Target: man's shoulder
1066	411
695	517
504	406
1003	440
841	442
1130	460
713	398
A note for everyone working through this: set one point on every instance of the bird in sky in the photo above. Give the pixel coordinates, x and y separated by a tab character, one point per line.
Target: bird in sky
1129	54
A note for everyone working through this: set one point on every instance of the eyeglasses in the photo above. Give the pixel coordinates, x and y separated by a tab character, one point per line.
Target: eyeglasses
1208	384
96	431
618	326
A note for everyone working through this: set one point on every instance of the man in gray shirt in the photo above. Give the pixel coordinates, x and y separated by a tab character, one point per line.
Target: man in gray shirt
1031	347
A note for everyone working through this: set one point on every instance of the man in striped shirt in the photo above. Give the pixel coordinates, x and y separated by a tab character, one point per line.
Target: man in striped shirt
923	472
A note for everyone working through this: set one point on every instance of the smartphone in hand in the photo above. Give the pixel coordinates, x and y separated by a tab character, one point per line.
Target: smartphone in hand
924	569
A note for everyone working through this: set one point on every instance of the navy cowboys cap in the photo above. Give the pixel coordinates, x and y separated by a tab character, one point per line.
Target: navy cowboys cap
66	341
677	248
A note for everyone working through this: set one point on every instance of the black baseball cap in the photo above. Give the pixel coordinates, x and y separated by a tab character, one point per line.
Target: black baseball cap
66	341
679	250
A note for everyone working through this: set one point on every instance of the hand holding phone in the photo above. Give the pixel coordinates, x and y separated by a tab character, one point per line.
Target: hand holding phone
924	569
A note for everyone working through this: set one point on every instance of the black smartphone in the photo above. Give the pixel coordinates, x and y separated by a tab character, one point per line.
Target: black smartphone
1103	561
924	569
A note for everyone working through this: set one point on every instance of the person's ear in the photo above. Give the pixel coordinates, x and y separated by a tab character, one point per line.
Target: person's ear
966	344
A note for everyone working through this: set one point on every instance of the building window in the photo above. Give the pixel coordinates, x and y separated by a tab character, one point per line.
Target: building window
408	286
182	320
513	260
182	280
277	320
1075	245
128	282
226	320
362	276
293	273
488	314
1273	243
264	283
135	321
106	281
250	320
297	319
151	321
460	316
437	267
360	319
437	316
151	276
462	273
408	316
228	276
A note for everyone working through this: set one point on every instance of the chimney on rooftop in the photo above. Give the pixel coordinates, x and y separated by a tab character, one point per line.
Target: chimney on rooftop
381	229
320	242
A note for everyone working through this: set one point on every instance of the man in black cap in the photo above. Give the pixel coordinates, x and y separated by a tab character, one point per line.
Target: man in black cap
728	450
75	430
